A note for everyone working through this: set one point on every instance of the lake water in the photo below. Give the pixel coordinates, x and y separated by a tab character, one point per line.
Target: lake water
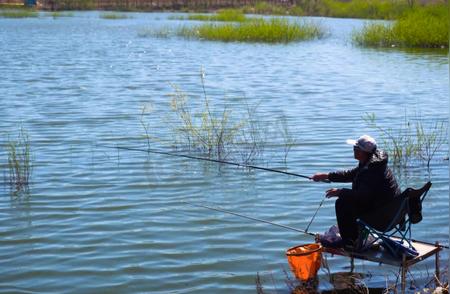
98	220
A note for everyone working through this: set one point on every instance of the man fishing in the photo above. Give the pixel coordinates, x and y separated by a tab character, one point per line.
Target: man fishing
373	185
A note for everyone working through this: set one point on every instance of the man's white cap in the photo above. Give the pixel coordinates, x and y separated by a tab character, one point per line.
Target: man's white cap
366	143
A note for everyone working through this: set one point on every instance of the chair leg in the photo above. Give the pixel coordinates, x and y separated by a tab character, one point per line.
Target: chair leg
404	270
437	266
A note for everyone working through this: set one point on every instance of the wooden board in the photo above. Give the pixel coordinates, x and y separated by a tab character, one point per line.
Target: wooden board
382	256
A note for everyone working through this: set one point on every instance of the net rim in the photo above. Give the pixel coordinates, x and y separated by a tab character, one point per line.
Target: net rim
319	248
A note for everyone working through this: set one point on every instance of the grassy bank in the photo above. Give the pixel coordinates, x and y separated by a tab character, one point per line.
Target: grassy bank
368	9
221	15
425	27
18	13
257	30
273	9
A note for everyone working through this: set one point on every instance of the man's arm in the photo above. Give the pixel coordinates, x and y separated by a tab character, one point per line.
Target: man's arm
345	176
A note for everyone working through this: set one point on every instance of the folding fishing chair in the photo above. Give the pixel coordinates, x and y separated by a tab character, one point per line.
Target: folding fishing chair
394	220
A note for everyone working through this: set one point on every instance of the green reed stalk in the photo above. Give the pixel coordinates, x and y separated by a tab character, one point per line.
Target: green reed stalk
413	139
19	162
223	133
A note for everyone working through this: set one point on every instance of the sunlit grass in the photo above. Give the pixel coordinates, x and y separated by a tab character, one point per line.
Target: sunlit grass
274	30
111	15
273	9
368	9
13	6
18	13
420	28
221	15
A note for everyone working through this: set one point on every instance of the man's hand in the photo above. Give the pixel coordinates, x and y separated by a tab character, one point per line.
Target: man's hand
333	192
319	177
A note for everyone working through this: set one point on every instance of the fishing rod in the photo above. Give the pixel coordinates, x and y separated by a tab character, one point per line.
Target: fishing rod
251	218
210	160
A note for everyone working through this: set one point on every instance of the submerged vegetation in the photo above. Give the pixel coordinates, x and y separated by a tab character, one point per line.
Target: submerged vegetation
111	15
413	139
18	175
419	28
274	30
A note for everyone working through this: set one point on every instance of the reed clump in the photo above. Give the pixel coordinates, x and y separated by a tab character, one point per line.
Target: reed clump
414	139
425	27
274	30
218	130
18	13
215	133
19	163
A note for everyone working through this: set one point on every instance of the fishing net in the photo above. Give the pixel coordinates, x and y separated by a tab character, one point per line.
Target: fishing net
305	260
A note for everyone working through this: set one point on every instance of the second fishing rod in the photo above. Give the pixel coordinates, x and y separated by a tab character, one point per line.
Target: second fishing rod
155	151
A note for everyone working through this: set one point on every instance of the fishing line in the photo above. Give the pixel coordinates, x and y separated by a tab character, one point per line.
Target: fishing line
210	160
251	218
320	205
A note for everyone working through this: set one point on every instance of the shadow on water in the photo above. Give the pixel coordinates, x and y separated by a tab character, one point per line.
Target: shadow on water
420	54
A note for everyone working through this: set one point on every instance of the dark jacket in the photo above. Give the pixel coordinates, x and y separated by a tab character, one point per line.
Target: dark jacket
373	184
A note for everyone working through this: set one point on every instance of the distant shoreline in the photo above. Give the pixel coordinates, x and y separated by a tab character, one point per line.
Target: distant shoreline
148	5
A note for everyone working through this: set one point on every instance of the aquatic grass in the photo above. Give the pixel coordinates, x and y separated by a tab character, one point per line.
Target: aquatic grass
431	136
200	124
113	16
164	32
221	15
374	35
176	17
208	131
412	139
425	27
18	13
19	162
274	30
